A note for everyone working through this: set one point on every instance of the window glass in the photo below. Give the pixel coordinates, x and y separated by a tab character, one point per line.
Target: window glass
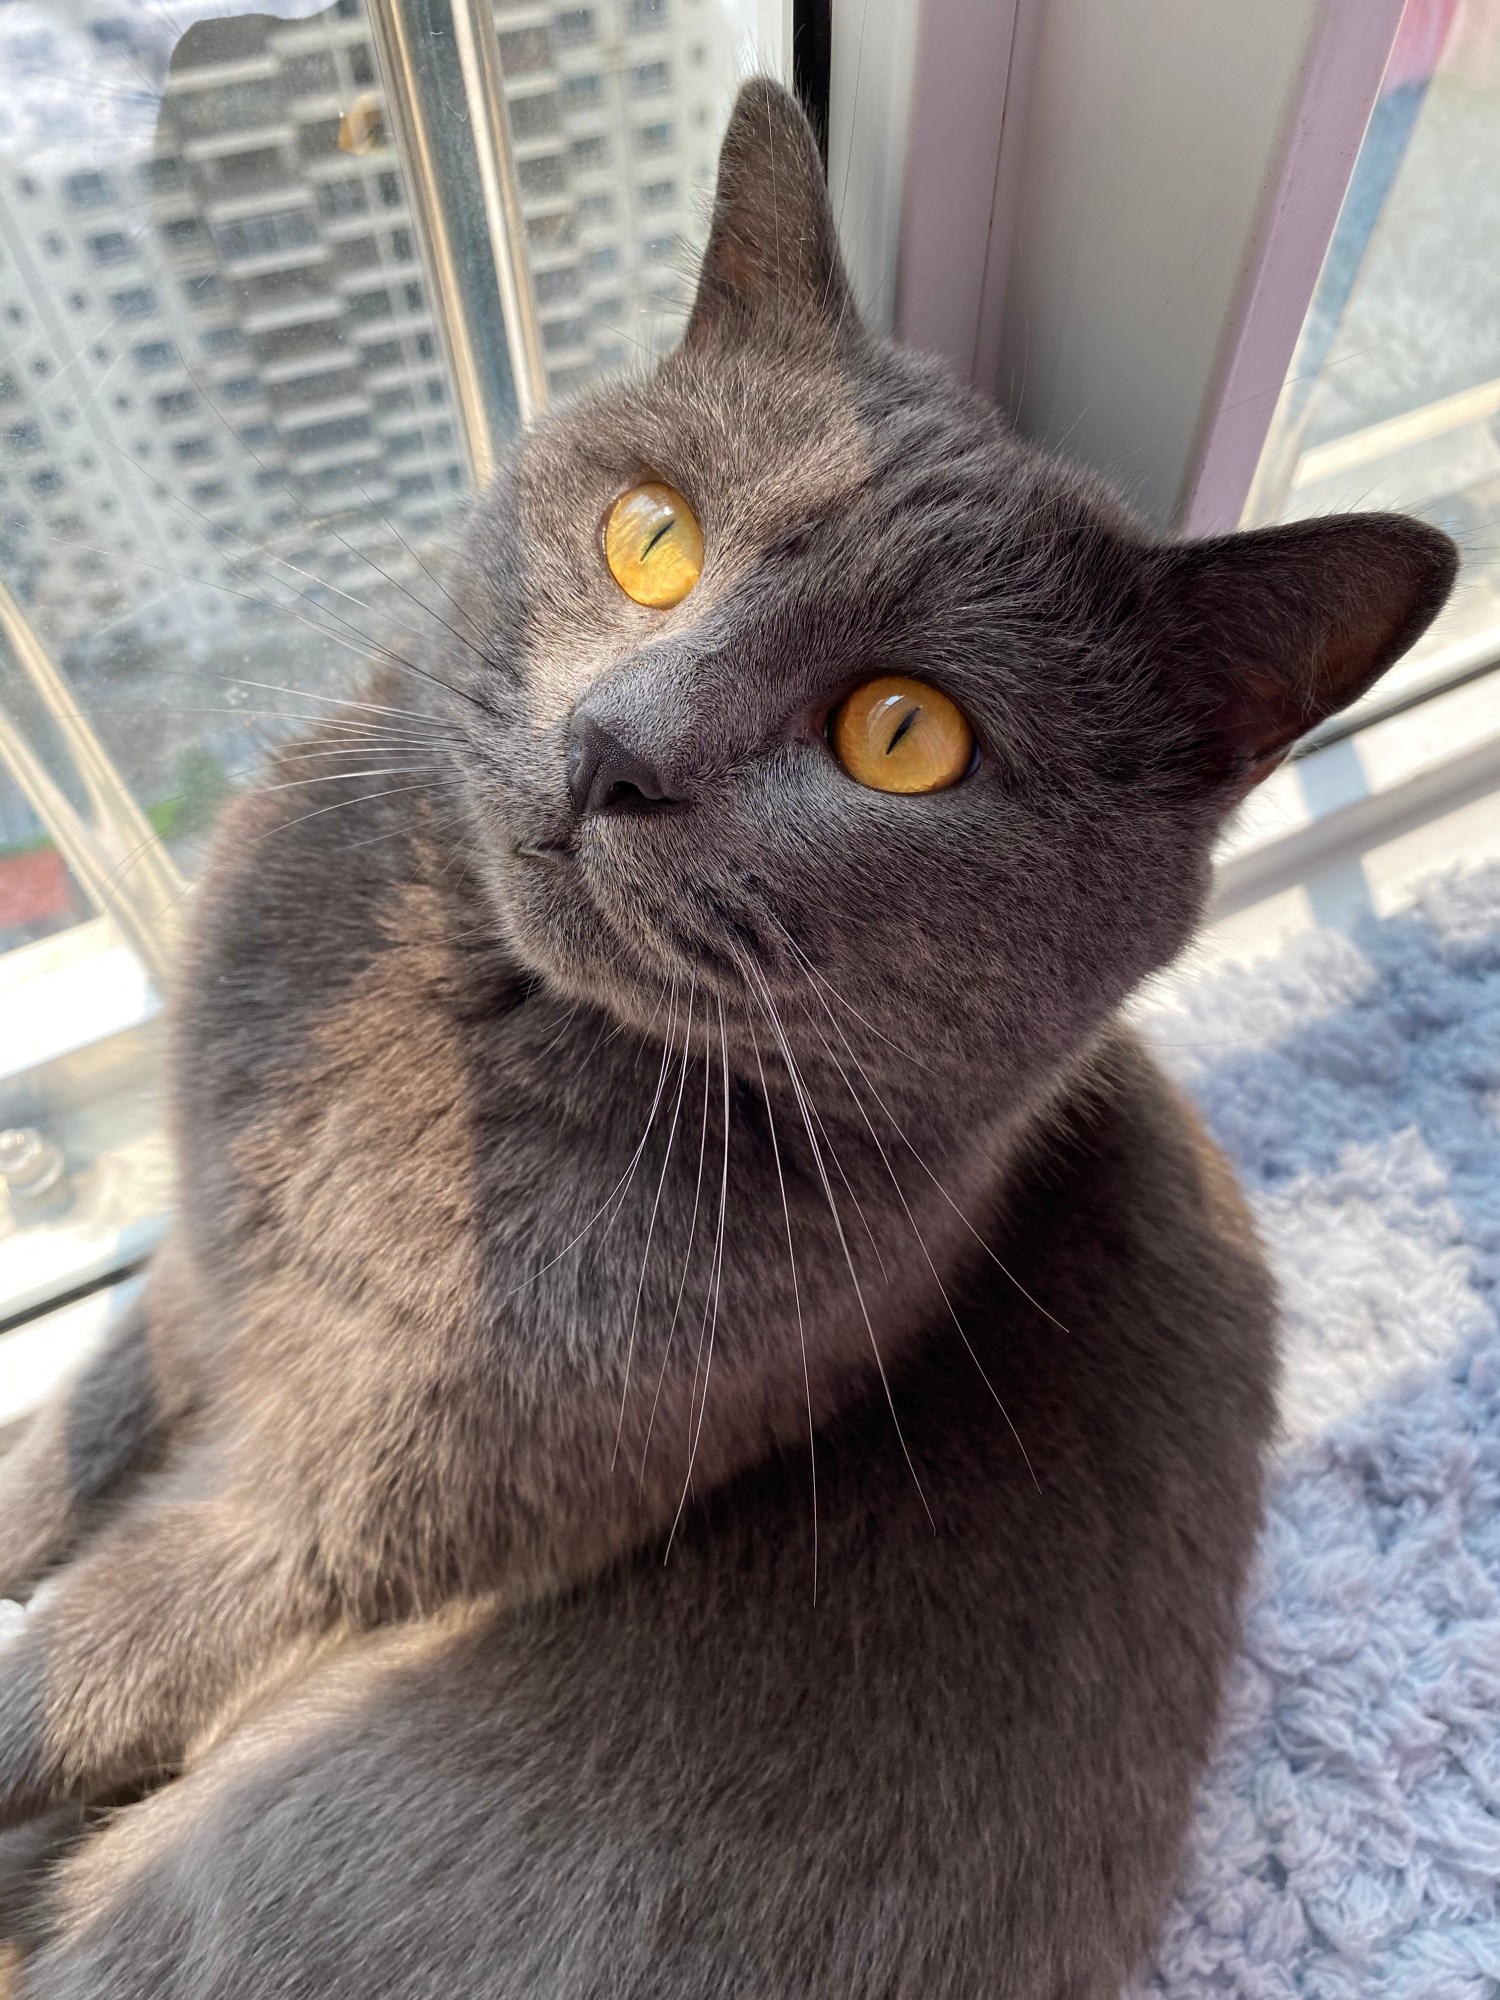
1393	398
231	465
589	92
210	513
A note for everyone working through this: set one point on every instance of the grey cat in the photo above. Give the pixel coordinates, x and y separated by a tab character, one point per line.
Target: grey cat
700	1429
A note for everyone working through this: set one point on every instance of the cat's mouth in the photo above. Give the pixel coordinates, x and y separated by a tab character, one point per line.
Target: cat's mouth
659	914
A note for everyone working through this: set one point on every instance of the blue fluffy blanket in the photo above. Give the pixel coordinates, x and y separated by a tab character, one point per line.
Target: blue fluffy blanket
1347	1838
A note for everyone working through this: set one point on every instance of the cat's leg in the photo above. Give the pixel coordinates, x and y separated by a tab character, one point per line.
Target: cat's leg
99	1433
140	1644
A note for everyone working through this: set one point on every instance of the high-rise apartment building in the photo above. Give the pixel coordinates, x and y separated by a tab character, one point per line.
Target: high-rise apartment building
218	357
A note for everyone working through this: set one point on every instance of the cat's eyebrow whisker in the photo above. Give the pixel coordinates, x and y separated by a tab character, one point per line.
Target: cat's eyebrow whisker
798	1091
687	1258
922	1245
687	1043
896	1126
711	1300
791	1252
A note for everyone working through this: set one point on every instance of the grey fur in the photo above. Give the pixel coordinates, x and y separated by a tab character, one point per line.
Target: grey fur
480	1320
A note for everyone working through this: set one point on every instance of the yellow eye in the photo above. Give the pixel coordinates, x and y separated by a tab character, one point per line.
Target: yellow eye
899	735
653	545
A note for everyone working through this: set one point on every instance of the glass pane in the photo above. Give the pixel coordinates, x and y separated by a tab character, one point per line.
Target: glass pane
616	110
229	462
1393	398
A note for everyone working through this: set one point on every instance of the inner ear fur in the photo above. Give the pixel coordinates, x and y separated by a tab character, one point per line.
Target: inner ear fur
772	266
1272	631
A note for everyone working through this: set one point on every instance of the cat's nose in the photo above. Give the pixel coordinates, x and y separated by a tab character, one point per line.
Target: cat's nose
606	775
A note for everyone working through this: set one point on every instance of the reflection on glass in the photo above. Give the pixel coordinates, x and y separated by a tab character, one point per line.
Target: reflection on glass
1394	395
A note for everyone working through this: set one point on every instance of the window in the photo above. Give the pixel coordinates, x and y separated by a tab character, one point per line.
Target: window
111	246
642	14
542	176
90	189
341	198
241	106
310	75
356	253
654	138
659	194
561	333
1392	399
162	175
263	235
535	115
258	350
550	232
525	50
659	249
583	93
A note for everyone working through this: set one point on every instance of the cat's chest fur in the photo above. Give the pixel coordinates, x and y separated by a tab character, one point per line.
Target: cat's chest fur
614	1265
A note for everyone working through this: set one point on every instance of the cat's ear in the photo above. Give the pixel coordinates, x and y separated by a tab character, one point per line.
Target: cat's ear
1275	630
772	267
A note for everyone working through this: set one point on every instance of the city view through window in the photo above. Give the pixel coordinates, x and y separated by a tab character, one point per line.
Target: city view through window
228	442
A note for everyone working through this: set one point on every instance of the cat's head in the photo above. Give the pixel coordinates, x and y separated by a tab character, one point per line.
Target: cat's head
708	790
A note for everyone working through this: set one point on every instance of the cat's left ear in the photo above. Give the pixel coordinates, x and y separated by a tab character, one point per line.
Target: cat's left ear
1272	631
772	268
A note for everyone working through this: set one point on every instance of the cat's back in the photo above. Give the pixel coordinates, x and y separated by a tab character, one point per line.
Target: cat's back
918	1716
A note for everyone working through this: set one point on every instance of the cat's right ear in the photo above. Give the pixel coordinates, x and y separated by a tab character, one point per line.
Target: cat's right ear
1269	633
772	268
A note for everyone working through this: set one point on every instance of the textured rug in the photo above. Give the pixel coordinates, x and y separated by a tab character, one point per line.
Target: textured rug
1346	1844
